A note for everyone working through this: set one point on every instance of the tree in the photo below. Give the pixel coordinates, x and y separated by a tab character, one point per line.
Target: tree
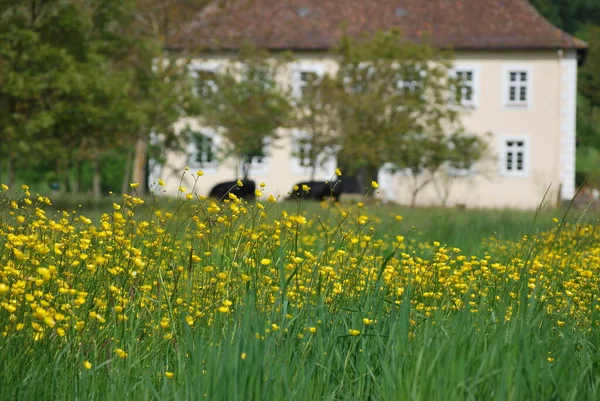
393	95
247	106
462	153
572	15
33	77
163	85
318	121
419	158
68	101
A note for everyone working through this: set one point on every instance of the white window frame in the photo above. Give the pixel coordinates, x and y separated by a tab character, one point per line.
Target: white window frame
297	166
197	66
506	84
504	148
475	69
304	66
191	149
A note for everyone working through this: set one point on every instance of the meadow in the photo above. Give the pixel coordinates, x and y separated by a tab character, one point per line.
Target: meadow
193	299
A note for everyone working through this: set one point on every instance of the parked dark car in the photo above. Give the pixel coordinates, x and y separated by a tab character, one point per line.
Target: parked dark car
319	190
221	190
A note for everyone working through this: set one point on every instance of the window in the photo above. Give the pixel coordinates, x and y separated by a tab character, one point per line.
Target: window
204	73
518	91
514	156
303	152
467	93
307	78
412	81
201	149
257	159
305	72
467	83
206	83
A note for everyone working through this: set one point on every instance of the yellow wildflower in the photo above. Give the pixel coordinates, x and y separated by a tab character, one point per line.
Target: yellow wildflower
121	354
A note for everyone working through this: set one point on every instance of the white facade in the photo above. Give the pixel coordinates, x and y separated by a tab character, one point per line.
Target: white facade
525	99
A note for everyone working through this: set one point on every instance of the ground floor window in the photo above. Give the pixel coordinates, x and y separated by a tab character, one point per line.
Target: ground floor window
201	150
514	156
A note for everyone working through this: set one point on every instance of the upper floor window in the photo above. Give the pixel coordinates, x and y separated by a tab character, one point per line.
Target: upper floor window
305	73
467	83
412	81
307	78
467	90
518	90
206	83
514	156
204	74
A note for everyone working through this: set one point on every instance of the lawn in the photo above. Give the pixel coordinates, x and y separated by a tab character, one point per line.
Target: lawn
190	299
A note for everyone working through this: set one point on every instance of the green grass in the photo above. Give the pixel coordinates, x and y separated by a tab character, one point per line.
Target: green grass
507	344
462	228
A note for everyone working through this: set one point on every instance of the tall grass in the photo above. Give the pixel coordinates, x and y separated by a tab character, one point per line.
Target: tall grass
238	301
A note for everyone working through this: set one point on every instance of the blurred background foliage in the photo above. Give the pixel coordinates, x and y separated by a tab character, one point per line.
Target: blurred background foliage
81	91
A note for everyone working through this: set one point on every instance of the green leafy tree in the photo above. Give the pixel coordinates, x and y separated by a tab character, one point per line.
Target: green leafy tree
462	152
62	98
582	18
163	86
33	77
419	158
393	95
317	118
572	15
247	106
588	110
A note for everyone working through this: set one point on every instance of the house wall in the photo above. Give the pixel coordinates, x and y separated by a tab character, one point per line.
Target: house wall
546	125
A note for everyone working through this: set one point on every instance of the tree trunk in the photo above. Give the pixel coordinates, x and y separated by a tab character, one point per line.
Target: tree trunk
365	176
313	168
140	175
413	199
127	175
96	188
246	167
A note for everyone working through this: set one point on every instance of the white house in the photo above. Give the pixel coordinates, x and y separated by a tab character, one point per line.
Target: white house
521	72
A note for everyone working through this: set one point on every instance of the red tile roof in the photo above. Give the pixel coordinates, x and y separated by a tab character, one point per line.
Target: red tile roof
317	24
